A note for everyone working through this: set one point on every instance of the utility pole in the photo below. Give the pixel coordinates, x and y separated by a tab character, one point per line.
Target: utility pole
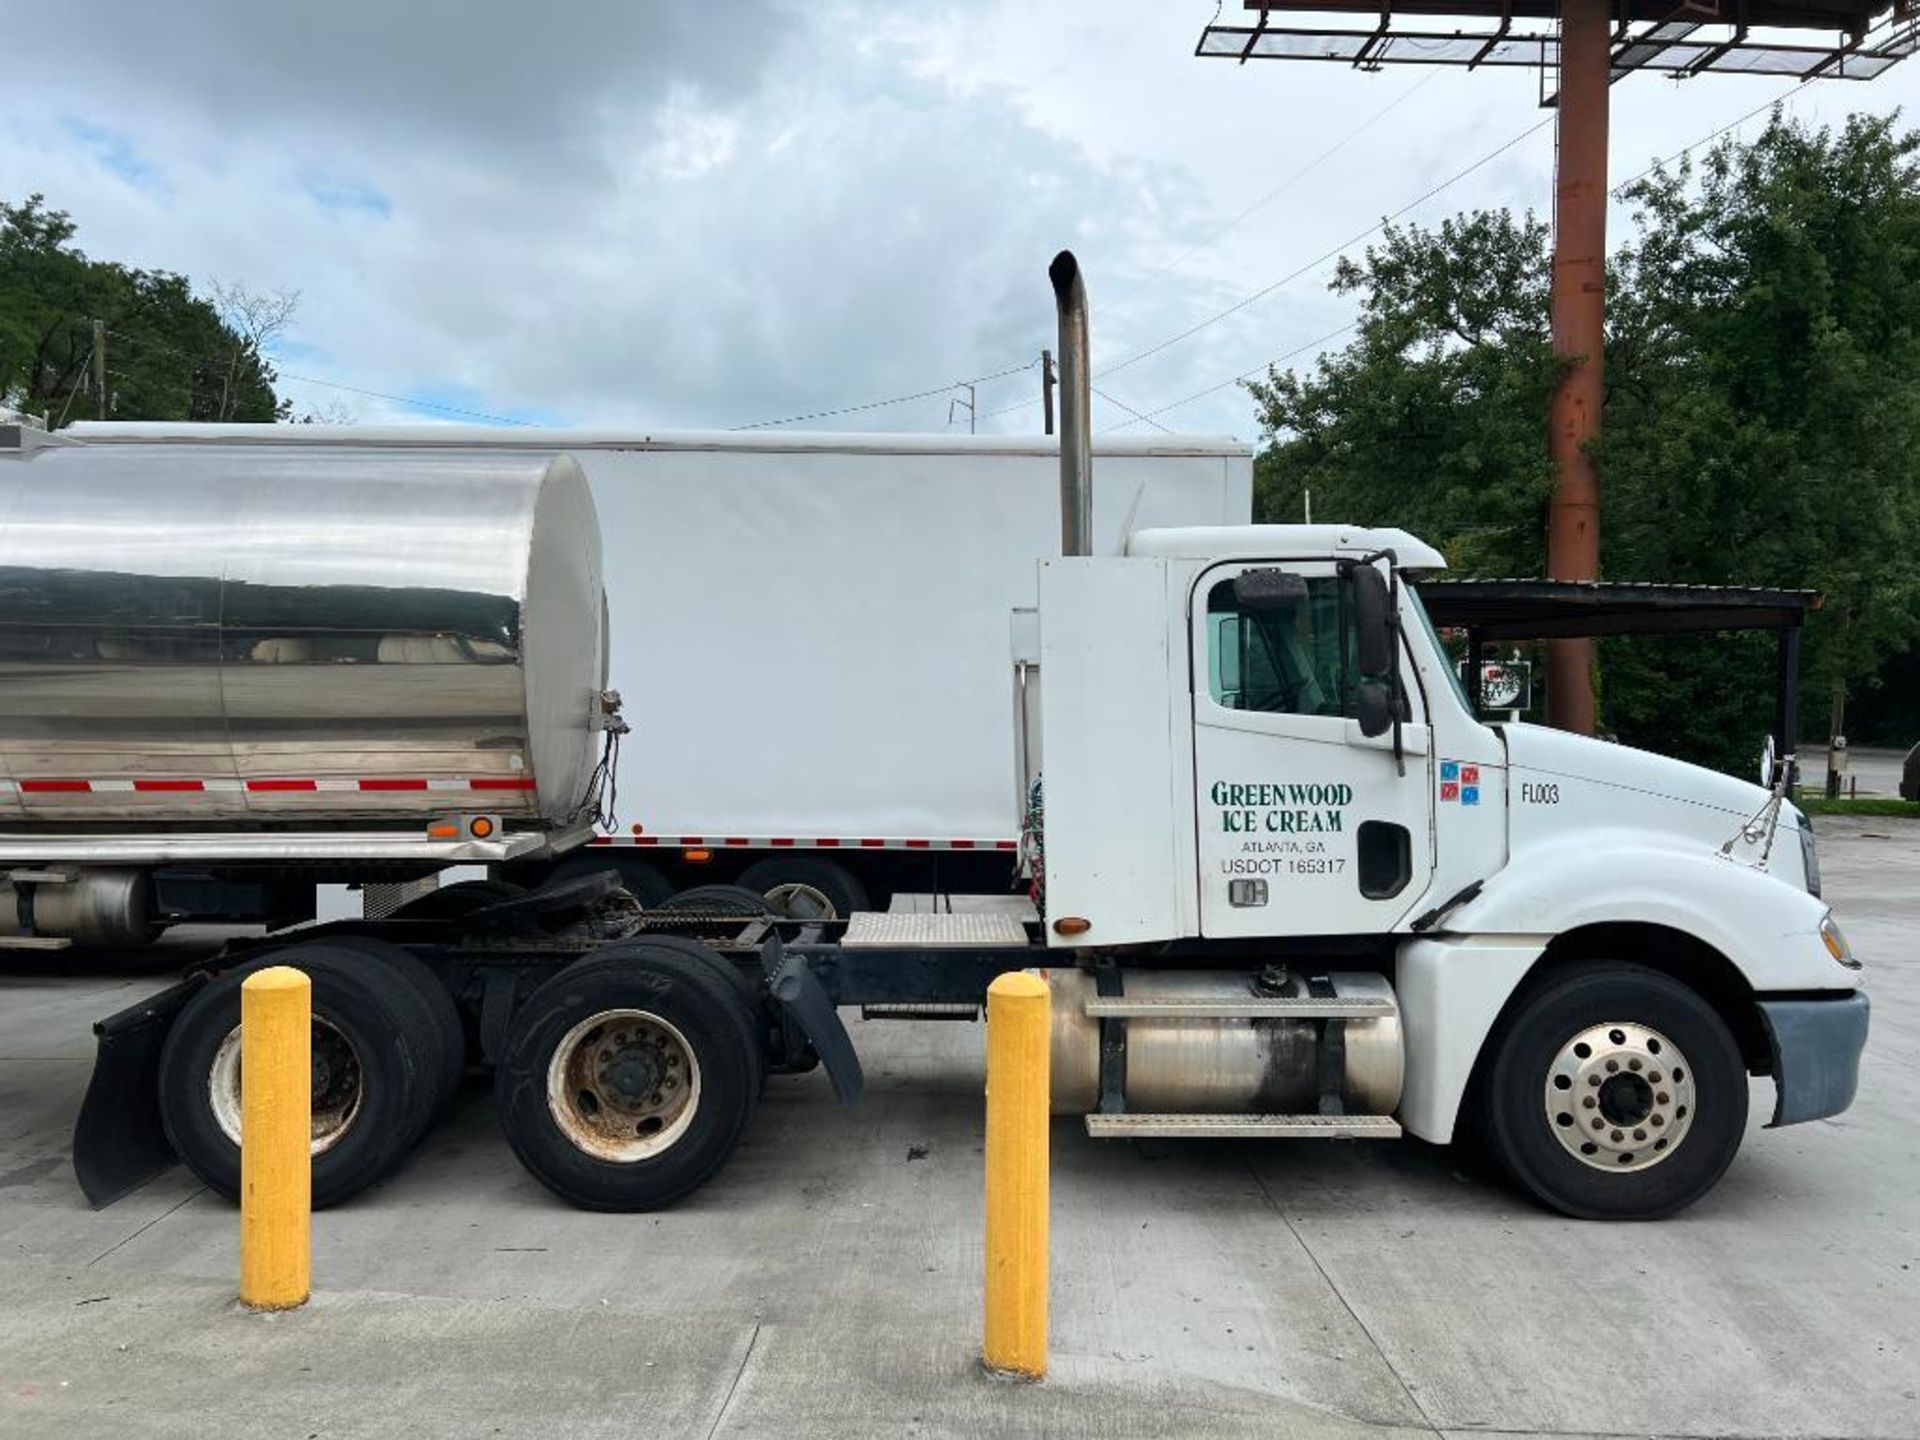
1579	337
973	412
1046	388
100	369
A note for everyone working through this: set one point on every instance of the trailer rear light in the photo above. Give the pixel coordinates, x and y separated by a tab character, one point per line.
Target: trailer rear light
480	827
448	831
696	857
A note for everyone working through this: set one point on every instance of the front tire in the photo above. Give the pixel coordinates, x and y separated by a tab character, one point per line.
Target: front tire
1616	1093
628	1078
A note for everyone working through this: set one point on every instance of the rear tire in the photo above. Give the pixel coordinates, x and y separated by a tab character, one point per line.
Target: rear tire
1616	1093
442	1015
629	1077
806	888
720	900
377	1080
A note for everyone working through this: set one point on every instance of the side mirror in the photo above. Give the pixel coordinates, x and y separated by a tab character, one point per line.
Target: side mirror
1373	702
1268	590
1374	622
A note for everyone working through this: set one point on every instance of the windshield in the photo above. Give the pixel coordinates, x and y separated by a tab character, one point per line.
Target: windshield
1451	671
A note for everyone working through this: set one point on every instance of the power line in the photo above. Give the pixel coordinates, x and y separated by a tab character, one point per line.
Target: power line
203	358
1332	254
1280	189
402	399
1616	191
1112	400
1623	186
1236	379
946	389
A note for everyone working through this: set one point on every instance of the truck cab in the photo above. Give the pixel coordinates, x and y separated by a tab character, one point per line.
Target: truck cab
1255	745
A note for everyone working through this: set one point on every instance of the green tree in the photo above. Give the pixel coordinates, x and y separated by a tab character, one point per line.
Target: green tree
1762	419
170	354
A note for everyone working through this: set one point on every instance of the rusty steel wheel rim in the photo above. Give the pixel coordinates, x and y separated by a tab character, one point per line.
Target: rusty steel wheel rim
337	1086
623	1085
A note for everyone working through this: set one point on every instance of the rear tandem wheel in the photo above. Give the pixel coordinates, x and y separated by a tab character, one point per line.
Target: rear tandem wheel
379	1071
628	1078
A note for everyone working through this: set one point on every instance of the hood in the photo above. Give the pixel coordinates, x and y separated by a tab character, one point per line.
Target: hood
1558	754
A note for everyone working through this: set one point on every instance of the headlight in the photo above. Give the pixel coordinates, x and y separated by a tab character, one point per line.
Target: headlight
1809	856
1836	943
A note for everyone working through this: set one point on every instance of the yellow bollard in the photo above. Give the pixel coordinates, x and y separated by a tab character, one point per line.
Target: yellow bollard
1018	1024
276	1164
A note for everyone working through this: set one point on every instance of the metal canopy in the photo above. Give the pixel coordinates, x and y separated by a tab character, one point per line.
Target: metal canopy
1561	609
1863	38
1509	610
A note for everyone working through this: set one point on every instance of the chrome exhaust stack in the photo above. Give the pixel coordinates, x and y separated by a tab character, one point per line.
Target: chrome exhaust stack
1076	414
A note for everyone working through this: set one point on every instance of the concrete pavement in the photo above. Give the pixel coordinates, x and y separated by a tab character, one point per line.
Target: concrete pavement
829	1281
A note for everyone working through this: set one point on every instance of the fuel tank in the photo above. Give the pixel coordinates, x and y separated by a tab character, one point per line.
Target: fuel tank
229	636
1224	1066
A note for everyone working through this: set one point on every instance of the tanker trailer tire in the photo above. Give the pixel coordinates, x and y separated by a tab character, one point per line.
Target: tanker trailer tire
629	1077
376	1081
805	888
720	900
1615	1093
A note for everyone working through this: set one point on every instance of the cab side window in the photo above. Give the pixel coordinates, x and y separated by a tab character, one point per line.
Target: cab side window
1294	660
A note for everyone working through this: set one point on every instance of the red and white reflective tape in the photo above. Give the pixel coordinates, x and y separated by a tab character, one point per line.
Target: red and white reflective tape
271	785
799	842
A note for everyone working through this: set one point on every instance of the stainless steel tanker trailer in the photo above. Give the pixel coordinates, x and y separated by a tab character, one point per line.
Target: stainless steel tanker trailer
1287	883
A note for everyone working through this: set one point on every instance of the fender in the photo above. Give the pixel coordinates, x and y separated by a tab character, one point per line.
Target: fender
1453	986
1769	929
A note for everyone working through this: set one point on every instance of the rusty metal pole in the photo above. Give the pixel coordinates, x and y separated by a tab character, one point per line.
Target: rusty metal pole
1579	333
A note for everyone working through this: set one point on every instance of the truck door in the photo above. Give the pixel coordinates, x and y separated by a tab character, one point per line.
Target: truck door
1305	825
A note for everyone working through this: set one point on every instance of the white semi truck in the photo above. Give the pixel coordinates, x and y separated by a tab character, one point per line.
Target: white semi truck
1288	885
820	747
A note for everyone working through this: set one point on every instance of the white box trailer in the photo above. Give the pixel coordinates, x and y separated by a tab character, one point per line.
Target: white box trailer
811	635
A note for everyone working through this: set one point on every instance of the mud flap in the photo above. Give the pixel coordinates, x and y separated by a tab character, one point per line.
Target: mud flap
806	1003
118	1142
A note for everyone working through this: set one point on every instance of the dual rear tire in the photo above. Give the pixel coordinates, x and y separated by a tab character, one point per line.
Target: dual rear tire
388	1053
630	1076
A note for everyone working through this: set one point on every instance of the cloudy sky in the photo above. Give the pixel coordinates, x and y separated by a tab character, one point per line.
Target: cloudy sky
685	215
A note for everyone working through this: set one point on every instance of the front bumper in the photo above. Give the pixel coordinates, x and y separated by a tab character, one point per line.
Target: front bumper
1816	1054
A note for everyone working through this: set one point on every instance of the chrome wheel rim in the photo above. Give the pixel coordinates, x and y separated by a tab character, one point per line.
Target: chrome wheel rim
623	1085
1620	1096
338	1086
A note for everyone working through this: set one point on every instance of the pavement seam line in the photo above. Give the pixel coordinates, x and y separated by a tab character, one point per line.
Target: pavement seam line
726	1404
129	1239
1345	1304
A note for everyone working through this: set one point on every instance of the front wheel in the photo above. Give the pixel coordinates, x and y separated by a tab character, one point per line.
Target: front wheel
1616	1093
628	1078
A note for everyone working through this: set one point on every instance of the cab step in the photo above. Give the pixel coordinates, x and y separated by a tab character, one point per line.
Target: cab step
1244	1127
1252	1007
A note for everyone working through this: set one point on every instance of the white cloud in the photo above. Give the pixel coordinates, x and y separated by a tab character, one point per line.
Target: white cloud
680	214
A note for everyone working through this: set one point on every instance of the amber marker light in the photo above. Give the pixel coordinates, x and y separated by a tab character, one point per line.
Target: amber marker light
1072	925
696	857
480	827
443	832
